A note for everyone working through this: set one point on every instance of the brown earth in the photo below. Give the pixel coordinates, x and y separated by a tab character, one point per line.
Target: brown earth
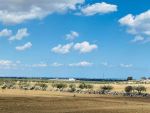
15	101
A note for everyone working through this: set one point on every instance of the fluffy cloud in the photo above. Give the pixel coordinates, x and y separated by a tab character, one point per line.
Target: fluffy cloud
5	33
81	64
55	64
14	12
85	47
5	62
126	65
138	26
24	47
98	8
72	35
21	33
8	64
62	49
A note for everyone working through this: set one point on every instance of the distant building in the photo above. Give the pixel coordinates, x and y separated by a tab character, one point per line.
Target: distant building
72	79
63	79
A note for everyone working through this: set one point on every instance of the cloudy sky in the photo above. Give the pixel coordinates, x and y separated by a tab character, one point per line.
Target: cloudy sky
75	38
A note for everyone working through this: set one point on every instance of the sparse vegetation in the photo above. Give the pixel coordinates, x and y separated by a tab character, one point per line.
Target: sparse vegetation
85	86
79	87
106	88
59	86
89	86
72	87
82	86
140	89
23	85
43	86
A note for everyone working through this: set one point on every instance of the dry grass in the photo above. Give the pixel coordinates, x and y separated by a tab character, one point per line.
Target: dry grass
19	101
120	87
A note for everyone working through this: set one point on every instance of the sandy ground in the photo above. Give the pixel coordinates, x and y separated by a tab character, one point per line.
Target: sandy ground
20	101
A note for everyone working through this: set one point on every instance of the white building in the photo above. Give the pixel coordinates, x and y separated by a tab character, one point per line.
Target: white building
72	79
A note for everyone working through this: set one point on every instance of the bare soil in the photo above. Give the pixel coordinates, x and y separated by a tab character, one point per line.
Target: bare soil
67	103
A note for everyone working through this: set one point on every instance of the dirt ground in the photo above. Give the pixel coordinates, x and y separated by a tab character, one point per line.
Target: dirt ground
16	101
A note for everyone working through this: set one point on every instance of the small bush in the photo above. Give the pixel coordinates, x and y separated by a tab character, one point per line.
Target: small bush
59	85
3	87
82	86
43	86
23	85
128	89
54	85
8	84
106	88
72	87
140	89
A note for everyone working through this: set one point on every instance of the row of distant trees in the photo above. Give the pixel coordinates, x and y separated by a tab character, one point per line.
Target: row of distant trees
142	78
72	87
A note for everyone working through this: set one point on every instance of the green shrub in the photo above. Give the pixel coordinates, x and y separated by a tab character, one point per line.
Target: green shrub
140	89
85	86
128	89
82	86
59	85
106	88
72	87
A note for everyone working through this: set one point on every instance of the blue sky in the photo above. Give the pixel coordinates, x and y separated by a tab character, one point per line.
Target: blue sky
75	38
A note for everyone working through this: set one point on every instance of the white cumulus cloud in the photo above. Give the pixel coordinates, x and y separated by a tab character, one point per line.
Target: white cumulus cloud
8	64
21	33
72	35
126	65
62	49
98	8
81	64
5	33
24	47
138	26
85	47
18	11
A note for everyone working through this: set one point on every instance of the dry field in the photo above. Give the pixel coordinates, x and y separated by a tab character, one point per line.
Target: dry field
120	87
19	101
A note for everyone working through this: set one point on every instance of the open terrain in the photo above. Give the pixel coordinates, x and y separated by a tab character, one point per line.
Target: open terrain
46	96
19	101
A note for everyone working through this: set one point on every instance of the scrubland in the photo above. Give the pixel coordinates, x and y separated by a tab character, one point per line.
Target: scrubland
28	96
